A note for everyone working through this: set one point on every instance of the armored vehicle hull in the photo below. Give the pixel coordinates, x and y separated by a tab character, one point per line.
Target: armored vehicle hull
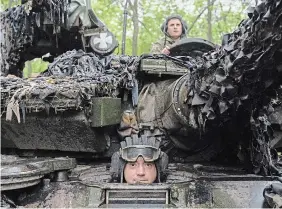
222	107
187	185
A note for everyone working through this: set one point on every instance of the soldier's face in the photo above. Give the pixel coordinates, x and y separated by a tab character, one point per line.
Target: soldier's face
140	172
174	28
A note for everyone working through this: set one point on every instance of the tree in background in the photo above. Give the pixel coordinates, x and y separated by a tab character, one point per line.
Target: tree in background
208	19
4	4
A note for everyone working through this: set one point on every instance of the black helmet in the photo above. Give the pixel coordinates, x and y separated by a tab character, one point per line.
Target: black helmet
183	22
131	149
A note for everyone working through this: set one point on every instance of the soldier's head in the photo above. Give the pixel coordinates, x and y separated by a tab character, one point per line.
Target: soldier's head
140	171
139	160
174	26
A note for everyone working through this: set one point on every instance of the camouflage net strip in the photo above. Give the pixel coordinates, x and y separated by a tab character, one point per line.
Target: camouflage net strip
69	83
19	29
231	82
14	36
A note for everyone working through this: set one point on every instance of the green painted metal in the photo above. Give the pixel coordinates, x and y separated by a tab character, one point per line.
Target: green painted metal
105	111
162	67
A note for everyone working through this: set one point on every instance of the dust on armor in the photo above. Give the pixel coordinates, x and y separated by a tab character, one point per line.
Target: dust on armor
202	107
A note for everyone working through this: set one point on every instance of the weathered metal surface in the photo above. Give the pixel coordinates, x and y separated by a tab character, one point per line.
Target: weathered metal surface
18	173
66	131
105	111
191	47
219	194
161	67
65	195
193	186
139	195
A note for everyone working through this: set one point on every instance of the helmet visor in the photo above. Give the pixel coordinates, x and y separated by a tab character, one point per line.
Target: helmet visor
131	153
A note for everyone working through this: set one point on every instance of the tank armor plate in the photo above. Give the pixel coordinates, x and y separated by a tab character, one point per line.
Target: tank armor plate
162	66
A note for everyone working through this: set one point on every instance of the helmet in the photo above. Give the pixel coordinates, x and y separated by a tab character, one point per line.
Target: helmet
131	149
183	22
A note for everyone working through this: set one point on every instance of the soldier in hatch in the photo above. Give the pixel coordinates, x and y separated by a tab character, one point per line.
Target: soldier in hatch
139	160
174	29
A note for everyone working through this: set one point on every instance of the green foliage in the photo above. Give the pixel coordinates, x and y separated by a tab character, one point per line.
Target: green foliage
4	4
226	15
37	66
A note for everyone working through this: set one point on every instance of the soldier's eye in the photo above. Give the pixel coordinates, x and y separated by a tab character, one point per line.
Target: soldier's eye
132	164
149	165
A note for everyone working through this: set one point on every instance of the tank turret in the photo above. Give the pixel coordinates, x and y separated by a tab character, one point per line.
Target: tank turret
207	103
53	27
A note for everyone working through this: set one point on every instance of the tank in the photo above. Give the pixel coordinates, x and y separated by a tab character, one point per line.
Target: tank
51	27
216	110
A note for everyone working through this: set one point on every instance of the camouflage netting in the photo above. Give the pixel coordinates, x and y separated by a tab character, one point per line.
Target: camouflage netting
68	83
15	35
23	28
234	82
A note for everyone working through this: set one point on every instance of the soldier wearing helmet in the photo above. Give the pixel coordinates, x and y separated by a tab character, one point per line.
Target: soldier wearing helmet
174	29
139	160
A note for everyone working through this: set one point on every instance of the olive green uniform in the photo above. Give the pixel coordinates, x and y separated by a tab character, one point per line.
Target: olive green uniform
161	44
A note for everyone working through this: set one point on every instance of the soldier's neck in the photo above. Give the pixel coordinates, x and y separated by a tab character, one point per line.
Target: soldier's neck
175	39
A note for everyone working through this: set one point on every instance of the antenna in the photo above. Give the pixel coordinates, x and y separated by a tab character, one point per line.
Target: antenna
125	12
